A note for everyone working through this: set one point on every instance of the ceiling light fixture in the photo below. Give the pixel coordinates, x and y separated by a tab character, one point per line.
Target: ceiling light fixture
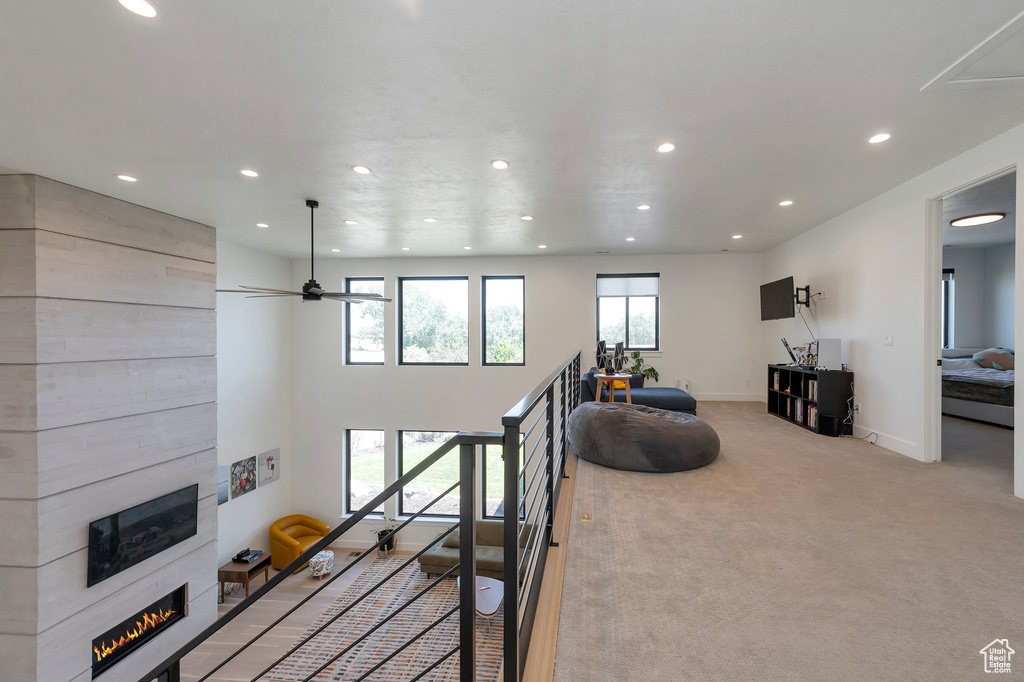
666	147
264	225
542	246
350	222
975	220
249	173
737	236
880	137
362	170
335	250
526	217
140	7
643	207
630	239
430	220
405	248
787	202
468	248
500	164
127	178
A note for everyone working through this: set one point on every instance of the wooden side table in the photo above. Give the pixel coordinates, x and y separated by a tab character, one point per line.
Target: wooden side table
238	572
610	379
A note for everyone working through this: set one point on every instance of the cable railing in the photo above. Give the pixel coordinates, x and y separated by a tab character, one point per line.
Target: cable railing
527	535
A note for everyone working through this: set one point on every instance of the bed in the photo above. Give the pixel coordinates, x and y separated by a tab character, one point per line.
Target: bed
975	392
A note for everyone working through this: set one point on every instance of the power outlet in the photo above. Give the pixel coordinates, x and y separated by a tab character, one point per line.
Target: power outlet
748	383
856	407
887	340
824	294
684	384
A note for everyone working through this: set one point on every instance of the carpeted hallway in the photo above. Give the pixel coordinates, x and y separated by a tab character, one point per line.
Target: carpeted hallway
792	557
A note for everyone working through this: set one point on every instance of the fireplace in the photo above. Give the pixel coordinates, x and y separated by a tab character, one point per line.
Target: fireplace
124	638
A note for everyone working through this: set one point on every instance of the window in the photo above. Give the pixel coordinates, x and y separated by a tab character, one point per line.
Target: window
504	302
947	308
433	325
364	468
364	323
494	480
413	448
627	310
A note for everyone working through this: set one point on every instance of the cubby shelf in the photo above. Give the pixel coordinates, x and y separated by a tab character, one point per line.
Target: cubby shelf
820	401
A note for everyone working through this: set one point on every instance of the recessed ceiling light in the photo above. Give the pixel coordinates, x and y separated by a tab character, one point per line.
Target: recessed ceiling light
542	246
880	137
127	178
468	248
405	248
500	164
975	220
430	220
737	236
262	225
350	222
665	147
140	7
787	202
526	217
630	239
335	250
249	173
644	207
362	170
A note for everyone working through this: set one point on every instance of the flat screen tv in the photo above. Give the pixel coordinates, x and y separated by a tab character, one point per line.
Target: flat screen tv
777	299
122	540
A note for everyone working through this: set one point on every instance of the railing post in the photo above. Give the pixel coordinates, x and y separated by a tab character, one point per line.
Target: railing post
510	451
564	404
551	465
467	563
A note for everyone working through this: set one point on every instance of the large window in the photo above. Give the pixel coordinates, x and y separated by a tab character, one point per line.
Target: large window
433	324
494	480
364	468
627	310
364	323
947	308
413	448
504	303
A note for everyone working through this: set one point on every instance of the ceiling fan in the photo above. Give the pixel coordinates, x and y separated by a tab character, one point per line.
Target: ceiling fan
311	290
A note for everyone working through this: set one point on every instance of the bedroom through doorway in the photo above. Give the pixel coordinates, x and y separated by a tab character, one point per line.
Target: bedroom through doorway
977	327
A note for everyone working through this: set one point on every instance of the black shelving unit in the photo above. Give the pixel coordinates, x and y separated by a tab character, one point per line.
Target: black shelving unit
820	401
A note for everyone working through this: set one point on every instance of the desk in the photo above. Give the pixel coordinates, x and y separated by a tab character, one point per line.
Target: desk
238	572
609	379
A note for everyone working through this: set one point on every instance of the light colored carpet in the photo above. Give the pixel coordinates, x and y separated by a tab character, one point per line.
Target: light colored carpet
793	557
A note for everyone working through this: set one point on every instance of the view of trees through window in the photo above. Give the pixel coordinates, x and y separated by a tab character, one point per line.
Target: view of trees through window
627	310
435	328
365	467
416	446
364	328
503	303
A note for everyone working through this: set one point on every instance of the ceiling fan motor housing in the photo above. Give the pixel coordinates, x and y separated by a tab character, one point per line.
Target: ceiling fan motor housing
312	291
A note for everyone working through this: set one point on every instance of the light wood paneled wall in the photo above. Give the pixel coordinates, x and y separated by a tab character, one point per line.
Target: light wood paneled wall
108	388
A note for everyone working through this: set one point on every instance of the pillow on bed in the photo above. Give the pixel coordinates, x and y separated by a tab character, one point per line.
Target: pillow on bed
959	363
996	358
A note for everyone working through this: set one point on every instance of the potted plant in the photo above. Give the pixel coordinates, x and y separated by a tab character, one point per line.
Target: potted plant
640	366
386	534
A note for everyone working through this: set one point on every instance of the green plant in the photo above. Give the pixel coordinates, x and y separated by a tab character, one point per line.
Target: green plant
640	366
389	525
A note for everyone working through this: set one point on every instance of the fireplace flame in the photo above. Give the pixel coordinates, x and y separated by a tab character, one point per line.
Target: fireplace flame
148	622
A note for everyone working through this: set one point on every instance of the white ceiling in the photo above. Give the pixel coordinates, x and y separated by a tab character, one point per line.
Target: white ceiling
764	100
995	196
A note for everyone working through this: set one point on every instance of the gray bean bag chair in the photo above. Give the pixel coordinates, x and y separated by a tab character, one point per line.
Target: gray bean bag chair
639	438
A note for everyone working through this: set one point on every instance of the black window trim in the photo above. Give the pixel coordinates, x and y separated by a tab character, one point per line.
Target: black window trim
657	310
348	322
347	483
401	472
401	322
483	321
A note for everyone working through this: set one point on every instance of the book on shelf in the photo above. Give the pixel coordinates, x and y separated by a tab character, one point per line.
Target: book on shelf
775	380
799	411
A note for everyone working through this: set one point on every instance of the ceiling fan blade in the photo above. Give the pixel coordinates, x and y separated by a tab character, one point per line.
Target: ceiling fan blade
361	297
269	290
270	295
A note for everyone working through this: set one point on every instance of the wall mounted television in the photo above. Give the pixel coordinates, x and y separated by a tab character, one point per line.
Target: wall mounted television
778	299
132	535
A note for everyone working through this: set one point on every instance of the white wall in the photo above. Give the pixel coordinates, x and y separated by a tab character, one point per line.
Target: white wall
709	318
872	261
983	295
254	354
999	298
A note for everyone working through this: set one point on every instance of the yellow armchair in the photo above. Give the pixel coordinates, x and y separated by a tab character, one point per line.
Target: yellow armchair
293	535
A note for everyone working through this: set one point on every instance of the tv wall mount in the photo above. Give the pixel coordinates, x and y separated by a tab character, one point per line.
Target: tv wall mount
807	296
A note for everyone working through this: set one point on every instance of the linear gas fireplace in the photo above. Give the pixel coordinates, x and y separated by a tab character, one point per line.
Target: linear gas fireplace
127	636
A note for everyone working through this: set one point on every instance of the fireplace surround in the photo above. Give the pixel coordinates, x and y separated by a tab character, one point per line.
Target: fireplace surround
127	636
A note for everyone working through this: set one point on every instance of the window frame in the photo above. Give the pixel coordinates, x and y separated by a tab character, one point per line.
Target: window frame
657	311
401	472
483	321
348	323
346	491
401	321
947	306
483	480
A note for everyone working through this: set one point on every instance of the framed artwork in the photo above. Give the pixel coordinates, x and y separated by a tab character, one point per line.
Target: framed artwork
270	466
222	484
243	477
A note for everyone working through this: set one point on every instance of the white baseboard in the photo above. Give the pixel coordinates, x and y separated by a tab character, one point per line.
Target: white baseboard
888	442
731	397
